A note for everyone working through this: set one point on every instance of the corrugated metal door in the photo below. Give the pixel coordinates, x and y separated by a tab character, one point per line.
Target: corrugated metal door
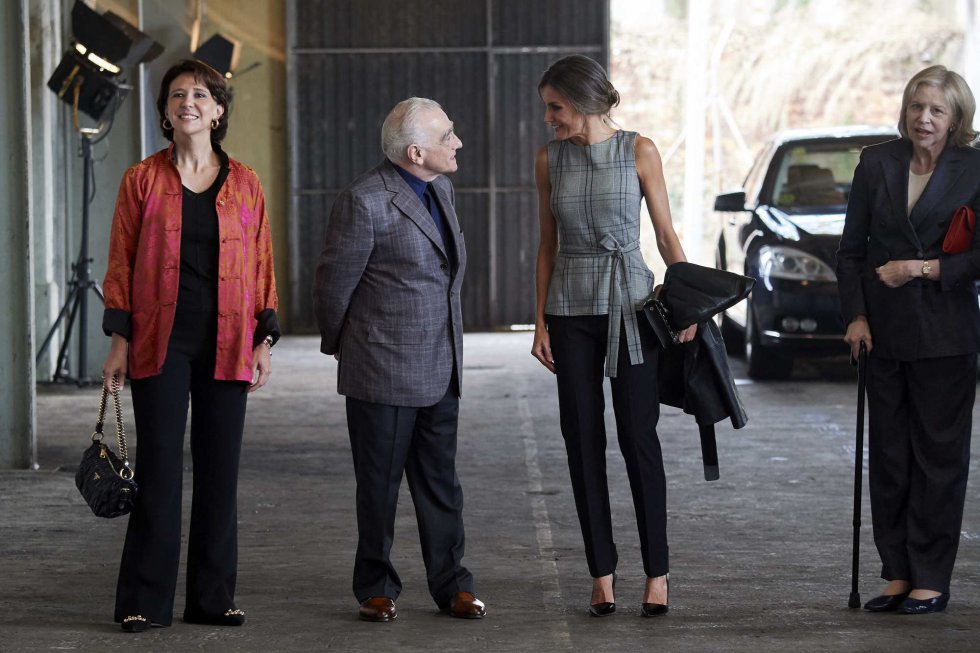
350	61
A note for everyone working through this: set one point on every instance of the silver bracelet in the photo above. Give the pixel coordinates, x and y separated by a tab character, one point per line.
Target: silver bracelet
267	341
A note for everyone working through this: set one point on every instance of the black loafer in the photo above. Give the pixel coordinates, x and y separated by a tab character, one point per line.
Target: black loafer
885	602
924	606
135	623
231	617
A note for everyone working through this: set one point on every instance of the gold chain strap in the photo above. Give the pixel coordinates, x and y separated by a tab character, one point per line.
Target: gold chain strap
126	471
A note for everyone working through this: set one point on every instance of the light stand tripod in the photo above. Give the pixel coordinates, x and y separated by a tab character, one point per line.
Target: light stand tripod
76	302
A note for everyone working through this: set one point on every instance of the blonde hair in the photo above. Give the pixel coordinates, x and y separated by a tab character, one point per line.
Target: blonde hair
958	97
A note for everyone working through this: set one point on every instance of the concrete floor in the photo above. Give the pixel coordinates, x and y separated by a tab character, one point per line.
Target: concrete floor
760	560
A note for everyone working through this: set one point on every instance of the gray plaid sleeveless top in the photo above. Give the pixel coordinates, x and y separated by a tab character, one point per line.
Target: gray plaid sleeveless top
595	198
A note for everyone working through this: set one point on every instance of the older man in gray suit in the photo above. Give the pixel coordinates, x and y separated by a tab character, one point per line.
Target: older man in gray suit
387	303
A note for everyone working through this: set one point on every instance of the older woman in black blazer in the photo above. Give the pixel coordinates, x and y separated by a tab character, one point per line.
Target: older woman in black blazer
914	306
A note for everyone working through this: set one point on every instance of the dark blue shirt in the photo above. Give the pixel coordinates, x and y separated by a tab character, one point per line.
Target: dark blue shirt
427	195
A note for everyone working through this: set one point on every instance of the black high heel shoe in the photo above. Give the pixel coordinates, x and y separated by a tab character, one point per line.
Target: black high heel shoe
605	608
656	609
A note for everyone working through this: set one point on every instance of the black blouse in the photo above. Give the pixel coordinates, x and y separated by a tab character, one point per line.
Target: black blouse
198	288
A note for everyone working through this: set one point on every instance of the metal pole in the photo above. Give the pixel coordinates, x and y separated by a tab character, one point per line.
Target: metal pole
84	263
694	108
969	18
76	300
854	601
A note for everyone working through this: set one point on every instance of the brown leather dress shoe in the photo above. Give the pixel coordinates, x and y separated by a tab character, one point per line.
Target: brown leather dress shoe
466	606
378	608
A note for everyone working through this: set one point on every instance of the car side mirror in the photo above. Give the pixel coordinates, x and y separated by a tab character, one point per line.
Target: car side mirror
730	201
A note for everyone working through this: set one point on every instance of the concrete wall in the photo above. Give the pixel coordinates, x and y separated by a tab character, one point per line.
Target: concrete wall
50	150
17	395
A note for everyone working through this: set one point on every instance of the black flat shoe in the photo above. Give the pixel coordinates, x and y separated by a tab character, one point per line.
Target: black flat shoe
135	624
605	608
924	606
655	609
232	617
885	602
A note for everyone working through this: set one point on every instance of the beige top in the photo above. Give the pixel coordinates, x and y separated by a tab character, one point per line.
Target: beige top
917	183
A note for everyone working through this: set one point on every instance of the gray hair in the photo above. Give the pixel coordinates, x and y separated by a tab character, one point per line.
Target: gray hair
402	129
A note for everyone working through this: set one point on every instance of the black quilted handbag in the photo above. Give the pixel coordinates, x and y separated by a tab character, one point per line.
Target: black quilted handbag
105	482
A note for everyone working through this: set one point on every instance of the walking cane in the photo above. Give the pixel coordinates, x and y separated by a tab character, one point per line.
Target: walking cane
855	600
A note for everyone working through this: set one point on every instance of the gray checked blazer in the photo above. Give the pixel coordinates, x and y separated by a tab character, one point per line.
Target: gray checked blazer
386	293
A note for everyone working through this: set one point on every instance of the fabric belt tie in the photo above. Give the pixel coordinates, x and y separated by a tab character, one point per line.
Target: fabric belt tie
621	305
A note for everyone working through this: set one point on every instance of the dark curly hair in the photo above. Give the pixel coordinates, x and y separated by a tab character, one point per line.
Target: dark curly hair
206	75
583	82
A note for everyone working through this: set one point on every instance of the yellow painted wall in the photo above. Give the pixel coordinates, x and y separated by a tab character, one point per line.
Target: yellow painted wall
257	135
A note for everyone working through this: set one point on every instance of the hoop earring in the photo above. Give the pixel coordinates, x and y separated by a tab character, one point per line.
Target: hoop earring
167	125
214	124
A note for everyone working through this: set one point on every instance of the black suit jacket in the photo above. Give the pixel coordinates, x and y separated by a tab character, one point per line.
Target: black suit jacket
921	319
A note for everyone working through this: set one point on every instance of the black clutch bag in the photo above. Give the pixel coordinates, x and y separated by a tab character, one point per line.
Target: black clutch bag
105	481
691	294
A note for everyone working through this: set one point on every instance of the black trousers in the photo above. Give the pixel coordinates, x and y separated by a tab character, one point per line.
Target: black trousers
578	344
920	422
387	441
148	572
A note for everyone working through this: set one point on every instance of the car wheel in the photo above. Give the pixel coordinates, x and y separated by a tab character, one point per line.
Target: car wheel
762	361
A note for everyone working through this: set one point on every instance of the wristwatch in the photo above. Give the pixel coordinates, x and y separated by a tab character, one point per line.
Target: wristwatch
926	269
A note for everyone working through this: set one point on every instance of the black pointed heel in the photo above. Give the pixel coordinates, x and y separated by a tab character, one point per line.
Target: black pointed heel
605	608
656	609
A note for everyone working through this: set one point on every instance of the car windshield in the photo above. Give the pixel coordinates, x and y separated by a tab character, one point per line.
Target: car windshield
815	175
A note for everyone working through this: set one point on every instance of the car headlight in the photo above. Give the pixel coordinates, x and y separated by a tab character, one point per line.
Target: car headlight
778	262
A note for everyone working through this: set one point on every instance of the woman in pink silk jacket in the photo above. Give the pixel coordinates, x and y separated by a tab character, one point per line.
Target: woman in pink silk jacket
191	308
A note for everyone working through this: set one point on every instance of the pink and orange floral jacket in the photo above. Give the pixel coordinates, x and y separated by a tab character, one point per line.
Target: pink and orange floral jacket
143	272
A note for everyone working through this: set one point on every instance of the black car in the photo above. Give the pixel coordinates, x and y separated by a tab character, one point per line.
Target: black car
783	229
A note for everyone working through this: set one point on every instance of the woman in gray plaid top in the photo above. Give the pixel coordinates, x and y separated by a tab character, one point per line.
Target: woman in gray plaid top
591	284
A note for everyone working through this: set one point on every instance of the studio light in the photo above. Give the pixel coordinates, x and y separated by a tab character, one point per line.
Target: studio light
221	53
88	76
89	79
